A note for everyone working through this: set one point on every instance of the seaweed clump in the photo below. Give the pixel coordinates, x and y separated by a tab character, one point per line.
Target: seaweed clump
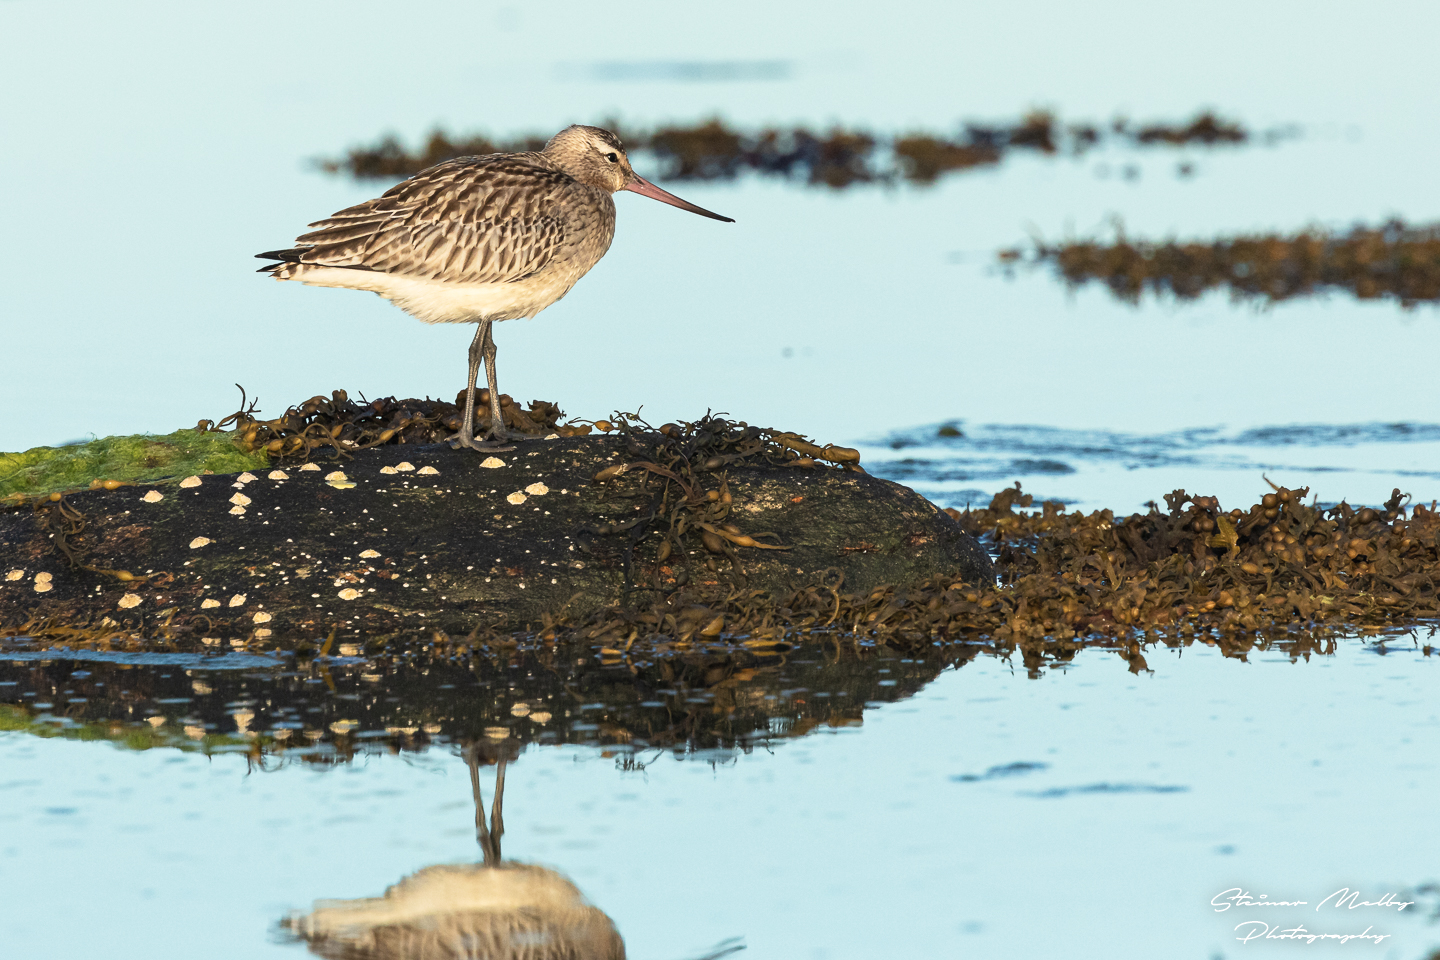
1394	260
390	159
1192	571
342	425
839	157
1206	129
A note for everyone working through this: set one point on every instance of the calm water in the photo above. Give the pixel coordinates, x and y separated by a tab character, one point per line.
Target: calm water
152	148
885	807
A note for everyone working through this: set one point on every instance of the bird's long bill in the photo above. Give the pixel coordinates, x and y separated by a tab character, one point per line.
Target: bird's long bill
647	189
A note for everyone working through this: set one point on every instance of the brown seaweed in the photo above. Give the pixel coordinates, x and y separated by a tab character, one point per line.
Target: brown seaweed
337	424
1394	261
838	157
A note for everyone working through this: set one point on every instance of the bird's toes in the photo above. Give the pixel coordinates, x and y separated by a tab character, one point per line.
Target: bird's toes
479	446
501	435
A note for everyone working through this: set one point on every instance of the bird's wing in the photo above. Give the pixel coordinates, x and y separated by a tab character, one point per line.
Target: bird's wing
470	220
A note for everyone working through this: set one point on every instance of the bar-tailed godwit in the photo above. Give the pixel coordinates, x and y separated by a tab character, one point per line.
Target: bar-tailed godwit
479	240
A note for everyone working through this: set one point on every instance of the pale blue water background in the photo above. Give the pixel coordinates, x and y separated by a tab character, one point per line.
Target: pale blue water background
1289	779
151	149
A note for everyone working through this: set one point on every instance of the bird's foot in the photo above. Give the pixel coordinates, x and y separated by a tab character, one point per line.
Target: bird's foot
481	446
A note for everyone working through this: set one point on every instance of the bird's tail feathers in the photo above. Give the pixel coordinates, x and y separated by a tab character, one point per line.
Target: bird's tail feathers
288	259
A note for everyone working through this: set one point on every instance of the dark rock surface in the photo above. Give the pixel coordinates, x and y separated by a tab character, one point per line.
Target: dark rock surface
451	544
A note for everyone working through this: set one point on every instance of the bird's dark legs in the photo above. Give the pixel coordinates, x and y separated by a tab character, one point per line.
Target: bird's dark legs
497	822
489	839
468	425
481	348
497	421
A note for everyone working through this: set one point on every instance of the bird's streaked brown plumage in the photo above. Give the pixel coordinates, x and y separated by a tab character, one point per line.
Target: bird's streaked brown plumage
478	240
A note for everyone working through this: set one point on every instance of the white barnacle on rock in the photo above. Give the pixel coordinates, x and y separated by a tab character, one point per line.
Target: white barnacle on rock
388	470
209	642
245	477
537	489
516	498
404	466
277	475
309	466
237	511
369	554
189	482
349	593
336	476
209	605
261	617
199	542
552	436
492	463
14	575
128	601
427	472
240	500
154	496
262	633
520	710
43	577
238	600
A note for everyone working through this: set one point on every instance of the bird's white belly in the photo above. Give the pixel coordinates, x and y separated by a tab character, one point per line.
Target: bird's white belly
435	301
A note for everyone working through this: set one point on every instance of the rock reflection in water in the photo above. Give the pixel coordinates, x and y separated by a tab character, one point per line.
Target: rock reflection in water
492	909
709	706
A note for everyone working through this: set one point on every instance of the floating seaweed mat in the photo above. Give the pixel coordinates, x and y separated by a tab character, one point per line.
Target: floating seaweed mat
1072	580
1394	260
838	157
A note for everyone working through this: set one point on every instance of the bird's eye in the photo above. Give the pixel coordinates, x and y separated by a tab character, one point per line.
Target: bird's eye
612	158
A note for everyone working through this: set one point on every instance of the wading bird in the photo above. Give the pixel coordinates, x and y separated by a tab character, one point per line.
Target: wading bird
479	240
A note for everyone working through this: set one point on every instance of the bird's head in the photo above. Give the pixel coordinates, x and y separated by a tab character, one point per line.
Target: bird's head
597	158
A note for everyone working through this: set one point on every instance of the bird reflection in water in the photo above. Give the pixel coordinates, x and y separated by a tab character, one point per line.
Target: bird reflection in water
493	910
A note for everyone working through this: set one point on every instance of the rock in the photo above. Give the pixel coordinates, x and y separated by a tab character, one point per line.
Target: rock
406	538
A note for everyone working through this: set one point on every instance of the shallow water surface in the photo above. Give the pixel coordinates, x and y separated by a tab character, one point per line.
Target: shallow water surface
842	315
885	804
1361	463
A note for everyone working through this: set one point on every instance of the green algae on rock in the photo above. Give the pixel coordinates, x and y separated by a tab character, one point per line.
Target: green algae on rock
142	458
